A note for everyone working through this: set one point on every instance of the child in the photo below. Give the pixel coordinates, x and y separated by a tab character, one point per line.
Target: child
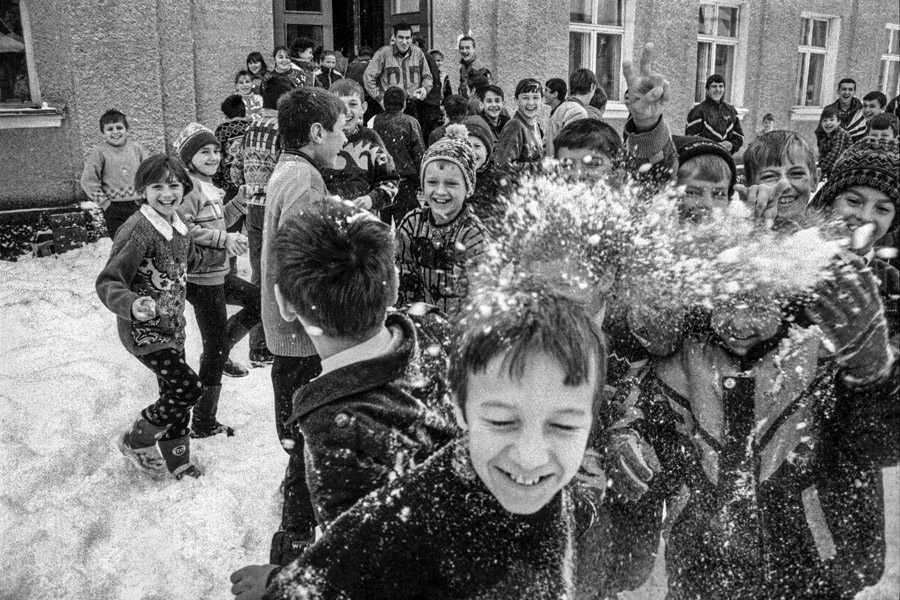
443	82
597	104
780	169
256	64
303	58
230	133
143	283
286	69
768	124
402	136
327	75
311	126
243	85
491	515
707	173
484	200
108	175
832	142
588	144
563	111
211	289
522	139
884	127
437	243
455	109
366	174
475	87
492	111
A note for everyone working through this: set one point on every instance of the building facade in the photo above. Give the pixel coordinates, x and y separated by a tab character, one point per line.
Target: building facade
166	63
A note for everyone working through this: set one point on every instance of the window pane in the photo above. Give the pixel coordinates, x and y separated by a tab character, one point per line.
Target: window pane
799	99
704	58
579	48
819	33
814	79
293	31
609	63
725	66
303	6
890	78
804	32
405	6
609	12
706	24
727	21
893	41
14	85
580	11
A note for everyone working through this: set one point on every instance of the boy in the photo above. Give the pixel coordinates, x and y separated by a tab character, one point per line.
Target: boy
443	82
365	173
492	111
230	133
597	104
832	142
884	127
707	173
715	119
108	175
562	111
873	104
522	139
456	108
402	136
475	87
490	515
311	126
588	144
768	124
439	242
327	75
780	169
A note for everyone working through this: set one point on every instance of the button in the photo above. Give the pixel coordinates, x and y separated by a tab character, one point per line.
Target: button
342	419
730	383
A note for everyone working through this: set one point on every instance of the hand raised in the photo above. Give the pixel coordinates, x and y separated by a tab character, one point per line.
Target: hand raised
648	92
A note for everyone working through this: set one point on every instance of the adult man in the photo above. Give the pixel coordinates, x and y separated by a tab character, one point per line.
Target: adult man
401	64
562	111
469	65
715	119
850	114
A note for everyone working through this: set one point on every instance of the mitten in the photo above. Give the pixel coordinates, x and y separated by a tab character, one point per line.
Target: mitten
629	462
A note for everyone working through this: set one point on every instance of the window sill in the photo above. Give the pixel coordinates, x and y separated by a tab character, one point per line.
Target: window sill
615	111
29	118
806	113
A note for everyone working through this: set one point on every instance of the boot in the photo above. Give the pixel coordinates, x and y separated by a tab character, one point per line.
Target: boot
234	369
177	454
235	332
138	444
203	415
287	546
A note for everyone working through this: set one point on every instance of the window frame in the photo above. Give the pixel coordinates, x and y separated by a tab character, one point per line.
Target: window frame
735	88
888	58
615	106
396	8
34	88
829	68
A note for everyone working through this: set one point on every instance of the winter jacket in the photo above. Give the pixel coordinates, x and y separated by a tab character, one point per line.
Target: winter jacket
497	127
230	134
297	76
564	114
255	158
363	166
108	174
716	121
831	146
402	136
388	68
373	419
519	142
325	78
151	257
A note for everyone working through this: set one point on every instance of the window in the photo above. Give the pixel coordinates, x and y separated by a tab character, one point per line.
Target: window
717	47
313	6
811	62
597	37
400	7
890	63
18	78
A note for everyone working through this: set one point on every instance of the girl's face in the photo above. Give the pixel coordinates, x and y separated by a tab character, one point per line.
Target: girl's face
444	189
283	61
254	66
493	105
206	160
862	205
528	104
164	196
244	85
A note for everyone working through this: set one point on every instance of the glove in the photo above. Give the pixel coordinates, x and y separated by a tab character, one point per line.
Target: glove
630	463
849	311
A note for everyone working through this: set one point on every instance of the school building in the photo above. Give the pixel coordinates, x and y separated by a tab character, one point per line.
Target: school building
169	62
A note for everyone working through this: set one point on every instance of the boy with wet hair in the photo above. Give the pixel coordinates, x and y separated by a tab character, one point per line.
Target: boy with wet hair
781	174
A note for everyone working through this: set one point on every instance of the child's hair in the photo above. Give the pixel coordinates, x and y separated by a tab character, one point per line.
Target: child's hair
592	134
559	87
394	99
274	88
160	168
827	113
347	87
326	53
529	322
336	268
435	53
777	148
769	117
301	109
581	81
705	167
233	106
495	89
366	51
301	44
705	160
528	86
478	83
112	116
456	107
242	73
885	121
257	57
279	49
599	99
878	96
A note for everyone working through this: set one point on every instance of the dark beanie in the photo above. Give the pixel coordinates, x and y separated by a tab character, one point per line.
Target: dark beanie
714	78
479	128
191	139
688	147
394	98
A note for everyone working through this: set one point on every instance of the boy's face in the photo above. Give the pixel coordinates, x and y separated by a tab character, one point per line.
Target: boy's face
798	182
283	61
871	108
882	134
481	153
528	104
326	143
115	134
329	61
356	108
527	437
206	160
862	205
439	60
164	196
444	189
768	126
702	197
493	105
584	159
830	124
244	85
254	66
746	325
549	96
715	91
466	50
846	91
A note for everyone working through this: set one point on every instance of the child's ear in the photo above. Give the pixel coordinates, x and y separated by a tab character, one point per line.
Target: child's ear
316	133
458	413
365	106
284	306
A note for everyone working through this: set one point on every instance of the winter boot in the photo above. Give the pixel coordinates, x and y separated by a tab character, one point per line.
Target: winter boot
138	444
287	546
203	415
177	454
234	369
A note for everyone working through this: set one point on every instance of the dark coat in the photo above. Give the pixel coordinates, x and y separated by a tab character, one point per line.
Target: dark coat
716	121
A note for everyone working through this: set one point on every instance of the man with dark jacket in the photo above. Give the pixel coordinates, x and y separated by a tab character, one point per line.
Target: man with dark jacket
715	119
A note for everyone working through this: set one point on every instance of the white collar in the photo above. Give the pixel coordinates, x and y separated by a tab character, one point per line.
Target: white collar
163	226
375	346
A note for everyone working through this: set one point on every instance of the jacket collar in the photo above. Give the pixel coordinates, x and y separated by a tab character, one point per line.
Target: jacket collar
161	225
303	155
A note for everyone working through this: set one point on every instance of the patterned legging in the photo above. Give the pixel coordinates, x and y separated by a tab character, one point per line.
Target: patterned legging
179	390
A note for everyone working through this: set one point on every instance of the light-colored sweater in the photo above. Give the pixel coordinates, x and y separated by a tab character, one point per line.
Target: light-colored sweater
564	114
108	174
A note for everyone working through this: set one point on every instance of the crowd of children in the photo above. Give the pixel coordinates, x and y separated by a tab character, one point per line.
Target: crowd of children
457	425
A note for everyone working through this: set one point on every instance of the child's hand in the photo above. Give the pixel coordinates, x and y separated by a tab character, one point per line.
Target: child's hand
726	145
648	93
249	583
363	202
420	93
630	463
236	244
763	199
143	309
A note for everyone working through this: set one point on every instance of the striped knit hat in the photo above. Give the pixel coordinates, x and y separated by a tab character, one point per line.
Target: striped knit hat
191	139
868	162
453	147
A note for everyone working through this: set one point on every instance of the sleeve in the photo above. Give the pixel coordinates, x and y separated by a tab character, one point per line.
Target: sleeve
509	146
737	134
417	146
695	121
830	157
114	282
235	209
200	257
370	77
383	177
411	287
202	236
654	147
868	418
91	178
427	78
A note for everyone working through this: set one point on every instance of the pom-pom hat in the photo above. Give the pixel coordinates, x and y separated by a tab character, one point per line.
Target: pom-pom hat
454	147
191	139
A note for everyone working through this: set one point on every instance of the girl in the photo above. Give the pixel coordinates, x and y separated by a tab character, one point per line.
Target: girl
243	85
143	283
258	69
210	289
284	67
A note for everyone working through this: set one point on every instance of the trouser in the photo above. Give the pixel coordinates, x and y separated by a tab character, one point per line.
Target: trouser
289	374
405	201
117	213
179	390
219	332
256	217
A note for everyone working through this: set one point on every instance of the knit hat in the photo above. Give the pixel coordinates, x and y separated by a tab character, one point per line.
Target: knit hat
869	162
191	139
479	128
688	147
453	147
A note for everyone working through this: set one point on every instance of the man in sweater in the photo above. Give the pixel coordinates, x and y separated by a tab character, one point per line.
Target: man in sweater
399	64
715	119
562	111
108	176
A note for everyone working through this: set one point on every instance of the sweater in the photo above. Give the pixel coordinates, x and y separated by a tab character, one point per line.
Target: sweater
716	121
207	220
564	114
402	136
151	257
389	68
519	142
255	159
230	134
373	419
496	128
109	171
363	166
296	184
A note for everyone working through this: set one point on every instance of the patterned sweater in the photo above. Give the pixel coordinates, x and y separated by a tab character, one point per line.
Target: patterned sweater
402	136
363	166
109	171
230	134
151	257
831	146
255	160
519	142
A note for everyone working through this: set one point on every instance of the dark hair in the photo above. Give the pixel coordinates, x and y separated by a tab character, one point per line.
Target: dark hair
402	27
420	41
257	57
775	148
394	99
456	107
768	117
592	134
599	99
827	113
479	84
710	168
847	80
300	44
241	73
466	38
325	53
881	98
112	116
157	169
303	107
273	88
581	81
493	88
559	87
347	87
366	51
280	48
528	86
529	322
714	78
233	106
336	268
435	53
885	121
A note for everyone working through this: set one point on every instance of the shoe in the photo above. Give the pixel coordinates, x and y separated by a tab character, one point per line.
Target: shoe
203	415
260	357
138	444
234	369
177	455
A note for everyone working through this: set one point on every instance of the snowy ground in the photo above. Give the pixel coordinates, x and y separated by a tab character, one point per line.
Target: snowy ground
75	523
